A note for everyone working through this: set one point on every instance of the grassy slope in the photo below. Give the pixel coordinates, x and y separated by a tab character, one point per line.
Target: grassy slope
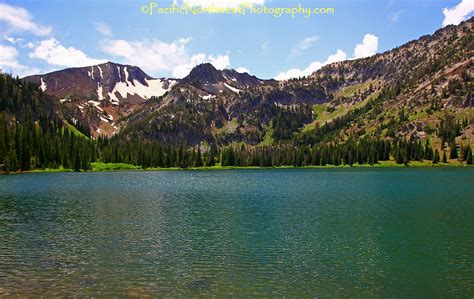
100	166
322	116
268	140
75	131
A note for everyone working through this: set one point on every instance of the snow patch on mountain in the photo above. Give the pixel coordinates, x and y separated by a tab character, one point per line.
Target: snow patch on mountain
208	97
156	87
91	73
43	85
232	88
100	91
126	74
119	73
100	71
232	78
95	104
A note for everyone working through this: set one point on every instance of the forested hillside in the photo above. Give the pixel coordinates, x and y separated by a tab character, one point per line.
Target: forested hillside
34	134
413	103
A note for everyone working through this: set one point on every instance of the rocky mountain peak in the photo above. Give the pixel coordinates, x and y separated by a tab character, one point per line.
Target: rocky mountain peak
204	73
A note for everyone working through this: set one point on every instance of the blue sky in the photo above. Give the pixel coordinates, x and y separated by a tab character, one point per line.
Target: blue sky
43	36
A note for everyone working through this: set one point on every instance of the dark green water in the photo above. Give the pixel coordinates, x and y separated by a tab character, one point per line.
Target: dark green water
299	233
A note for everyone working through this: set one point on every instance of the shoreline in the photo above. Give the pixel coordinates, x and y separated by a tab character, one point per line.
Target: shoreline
121	167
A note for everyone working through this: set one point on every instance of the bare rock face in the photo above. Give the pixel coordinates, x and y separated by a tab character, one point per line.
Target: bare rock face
109	81
207	78
100	94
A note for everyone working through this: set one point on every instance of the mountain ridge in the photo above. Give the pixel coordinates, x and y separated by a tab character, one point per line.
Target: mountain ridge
225	106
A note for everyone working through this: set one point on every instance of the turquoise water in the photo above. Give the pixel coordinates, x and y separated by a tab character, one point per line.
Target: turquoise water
297	233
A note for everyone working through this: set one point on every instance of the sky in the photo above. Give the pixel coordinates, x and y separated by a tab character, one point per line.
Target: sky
43	36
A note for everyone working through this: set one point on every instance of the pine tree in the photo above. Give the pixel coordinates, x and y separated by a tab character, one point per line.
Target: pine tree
211	161
436	157
198	158
453	151
469	156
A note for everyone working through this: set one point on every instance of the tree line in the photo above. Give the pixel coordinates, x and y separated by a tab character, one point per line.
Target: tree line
365	151
33	135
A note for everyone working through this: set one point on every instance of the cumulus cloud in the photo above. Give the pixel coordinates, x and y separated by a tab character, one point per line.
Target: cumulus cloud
8	52
219	62
19	19
314	66
242	70
222	3
458	13
368	47
103	28
336	57
304	45
9	62
156	56
54	53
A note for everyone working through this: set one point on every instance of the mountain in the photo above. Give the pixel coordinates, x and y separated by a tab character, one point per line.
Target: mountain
412	103
207	78
402	93
100	94
109	81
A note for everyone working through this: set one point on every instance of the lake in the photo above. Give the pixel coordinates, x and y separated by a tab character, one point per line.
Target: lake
401	232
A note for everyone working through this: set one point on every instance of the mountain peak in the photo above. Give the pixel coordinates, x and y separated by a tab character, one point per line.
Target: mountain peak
205	73
205	66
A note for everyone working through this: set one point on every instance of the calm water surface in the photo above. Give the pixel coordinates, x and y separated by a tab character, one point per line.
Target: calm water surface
297	233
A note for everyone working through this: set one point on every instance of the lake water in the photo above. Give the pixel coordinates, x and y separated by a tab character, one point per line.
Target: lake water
297	233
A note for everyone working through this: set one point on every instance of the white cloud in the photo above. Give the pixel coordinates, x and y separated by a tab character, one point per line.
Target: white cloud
314	66
222	3
156	56
219	62
304	45
458	13
103	28
19	19
9	62
54	53
336	57
368	47
242	70
9	53
13	40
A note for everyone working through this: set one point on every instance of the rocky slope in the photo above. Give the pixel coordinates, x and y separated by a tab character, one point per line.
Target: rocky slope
406	92
102	93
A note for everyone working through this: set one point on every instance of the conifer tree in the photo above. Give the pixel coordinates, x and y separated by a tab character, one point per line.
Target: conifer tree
469	156
436	157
